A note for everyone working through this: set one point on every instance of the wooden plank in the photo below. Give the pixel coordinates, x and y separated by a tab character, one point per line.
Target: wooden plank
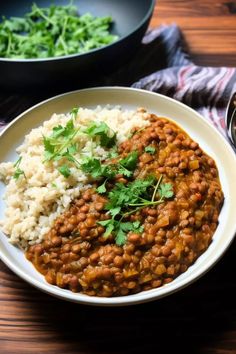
191	8
209	28
199	22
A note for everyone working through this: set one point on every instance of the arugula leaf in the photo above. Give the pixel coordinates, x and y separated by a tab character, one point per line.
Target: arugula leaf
65	171
150	149
101	129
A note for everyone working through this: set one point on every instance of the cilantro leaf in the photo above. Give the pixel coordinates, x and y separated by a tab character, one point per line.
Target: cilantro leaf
74	112
65	171
69	129
92	166
123	195
61	142
72	149
124	200
109	225
114	211
123	171
102	188
18	171
137	227
150	149
53	31
57	131
120	237
49	148
101	129
113	153
166	190
122	230
130	161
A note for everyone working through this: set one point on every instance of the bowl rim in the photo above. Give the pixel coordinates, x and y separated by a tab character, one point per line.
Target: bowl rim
143	296
71	56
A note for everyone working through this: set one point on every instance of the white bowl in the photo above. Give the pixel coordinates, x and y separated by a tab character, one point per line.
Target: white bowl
195	125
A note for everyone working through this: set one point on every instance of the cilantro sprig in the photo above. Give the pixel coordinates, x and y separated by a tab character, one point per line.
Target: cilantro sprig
18	171
124	200
63	144
53	31
96	169
120	229
102	130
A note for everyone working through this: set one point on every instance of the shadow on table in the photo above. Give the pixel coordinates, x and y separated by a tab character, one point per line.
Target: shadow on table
192	321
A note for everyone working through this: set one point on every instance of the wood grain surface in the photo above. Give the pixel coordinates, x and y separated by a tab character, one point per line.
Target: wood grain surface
198	319
209	27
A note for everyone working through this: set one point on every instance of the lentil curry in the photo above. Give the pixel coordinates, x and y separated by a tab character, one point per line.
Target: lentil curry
158	240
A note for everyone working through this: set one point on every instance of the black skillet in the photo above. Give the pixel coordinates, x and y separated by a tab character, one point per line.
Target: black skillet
131	19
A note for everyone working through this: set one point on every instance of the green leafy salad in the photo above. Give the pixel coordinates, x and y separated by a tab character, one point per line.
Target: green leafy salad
52	32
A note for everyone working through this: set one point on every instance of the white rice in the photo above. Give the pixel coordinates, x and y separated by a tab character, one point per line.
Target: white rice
33	202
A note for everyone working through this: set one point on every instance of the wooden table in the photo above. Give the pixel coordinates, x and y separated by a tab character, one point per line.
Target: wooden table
199	319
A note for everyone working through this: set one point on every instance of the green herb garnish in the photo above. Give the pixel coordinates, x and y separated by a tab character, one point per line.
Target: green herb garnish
101	129
124	200
96	169
60	142
120	229
53	31
113	153
18	171
130	161
102	188
150	150
64	170
74	112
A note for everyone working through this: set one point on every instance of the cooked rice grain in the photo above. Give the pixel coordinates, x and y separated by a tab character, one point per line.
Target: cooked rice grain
33	203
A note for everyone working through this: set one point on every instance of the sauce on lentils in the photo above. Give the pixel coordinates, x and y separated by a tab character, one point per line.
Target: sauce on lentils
75	254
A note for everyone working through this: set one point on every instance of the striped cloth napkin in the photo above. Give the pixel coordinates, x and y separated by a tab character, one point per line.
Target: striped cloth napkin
162	65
